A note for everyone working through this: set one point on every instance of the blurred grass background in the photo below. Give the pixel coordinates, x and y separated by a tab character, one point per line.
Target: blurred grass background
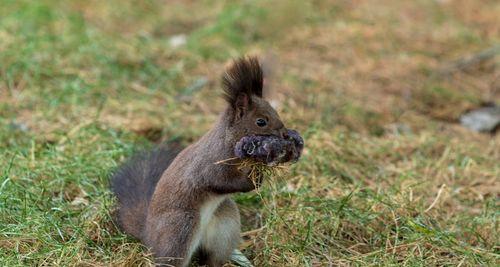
388	177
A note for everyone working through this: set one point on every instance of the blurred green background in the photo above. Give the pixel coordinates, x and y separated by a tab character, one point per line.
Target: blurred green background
389	176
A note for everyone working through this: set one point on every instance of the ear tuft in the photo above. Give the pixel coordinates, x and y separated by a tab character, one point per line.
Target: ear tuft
243	77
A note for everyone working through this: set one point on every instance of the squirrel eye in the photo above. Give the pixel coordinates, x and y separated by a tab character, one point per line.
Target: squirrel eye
261	122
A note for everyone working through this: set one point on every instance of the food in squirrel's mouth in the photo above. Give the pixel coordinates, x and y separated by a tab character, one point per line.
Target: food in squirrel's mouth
270	149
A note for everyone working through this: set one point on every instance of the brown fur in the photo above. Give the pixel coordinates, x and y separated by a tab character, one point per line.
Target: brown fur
190	210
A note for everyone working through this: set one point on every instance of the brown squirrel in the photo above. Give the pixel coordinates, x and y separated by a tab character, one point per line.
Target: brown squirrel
178	203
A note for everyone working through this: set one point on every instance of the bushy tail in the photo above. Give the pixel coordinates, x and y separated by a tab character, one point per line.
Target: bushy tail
134	183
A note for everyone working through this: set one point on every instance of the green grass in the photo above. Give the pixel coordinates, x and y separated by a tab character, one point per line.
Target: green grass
84	84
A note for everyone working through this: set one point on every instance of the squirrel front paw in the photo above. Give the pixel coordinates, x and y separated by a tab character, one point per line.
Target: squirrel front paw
257	178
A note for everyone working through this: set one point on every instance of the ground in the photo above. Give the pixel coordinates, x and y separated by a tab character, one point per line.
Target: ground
388	176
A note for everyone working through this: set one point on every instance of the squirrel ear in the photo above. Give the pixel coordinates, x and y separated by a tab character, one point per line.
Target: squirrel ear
243	77
241	106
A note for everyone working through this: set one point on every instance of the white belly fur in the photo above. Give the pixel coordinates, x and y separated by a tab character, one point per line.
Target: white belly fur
206	215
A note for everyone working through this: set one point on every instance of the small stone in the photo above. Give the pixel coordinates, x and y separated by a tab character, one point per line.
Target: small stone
485	119
177	40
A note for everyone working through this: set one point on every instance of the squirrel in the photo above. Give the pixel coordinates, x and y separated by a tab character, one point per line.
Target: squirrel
177	201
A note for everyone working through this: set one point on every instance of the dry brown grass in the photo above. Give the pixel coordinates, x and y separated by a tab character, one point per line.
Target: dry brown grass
388	177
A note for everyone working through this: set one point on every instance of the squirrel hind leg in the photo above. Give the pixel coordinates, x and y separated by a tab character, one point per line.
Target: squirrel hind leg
170	237
222	235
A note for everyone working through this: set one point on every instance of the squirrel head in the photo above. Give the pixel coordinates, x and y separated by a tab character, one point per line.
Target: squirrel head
247	112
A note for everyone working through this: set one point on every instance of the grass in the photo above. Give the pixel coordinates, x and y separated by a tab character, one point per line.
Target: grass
387	176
